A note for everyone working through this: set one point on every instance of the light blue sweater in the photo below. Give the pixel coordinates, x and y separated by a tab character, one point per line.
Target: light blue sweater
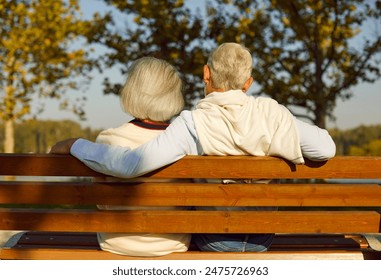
178	140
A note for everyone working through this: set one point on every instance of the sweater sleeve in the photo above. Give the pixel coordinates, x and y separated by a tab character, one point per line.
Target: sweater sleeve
178	140
315	142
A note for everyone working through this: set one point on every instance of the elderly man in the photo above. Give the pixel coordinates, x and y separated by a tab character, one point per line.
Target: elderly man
226	122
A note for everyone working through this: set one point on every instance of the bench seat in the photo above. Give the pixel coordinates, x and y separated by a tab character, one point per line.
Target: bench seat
324	211
69	245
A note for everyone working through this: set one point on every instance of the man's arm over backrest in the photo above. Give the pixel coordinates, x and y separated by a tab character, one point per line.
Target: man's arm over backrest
178	140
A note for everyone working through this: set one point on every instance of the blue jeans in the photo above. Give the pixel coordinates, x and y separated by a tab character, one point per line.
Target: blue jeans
233	242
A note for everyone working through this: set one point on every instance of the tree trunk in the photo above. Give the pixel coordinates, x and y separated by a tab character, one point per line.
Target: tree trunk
9	139
320	117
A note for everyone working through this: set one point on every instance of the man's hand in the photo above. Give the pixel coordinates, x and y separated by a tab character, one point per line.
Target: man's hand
63	147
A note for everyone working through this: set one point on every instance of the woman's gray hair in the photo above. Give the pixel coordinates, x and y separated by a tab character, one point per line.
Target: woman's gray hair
153	90
230	66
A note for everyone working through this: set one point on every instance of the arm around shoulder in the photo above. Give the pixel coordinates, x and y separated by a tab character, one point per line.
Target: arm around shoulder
172	144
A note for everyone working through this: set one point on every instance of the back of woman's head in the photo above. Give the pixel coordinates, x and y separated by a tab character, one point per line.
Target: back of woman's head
153	90
230	66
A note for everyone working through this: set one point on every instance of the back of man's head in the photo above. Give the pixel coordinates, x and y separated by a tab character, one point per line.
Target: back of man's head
230	66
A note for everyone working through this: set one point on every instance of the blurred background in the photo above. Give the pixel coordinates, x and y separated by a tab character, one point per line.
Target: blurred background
63	62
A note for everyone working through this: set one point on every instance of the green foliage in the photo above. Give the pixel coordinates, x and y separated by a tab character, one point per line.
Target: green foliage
373	148
36	40
360	141
34	136
165	29
302	49
42	55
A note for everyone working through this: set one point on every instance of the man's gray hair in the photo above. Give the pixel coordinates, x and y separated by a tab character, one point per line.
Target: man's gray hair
153	90
230	66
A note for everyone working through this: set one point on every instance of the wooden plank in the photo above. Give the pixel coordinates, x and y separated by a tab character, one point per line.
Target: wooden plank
43	165
68	254
190	194
273	168
82	245
202	167
193	221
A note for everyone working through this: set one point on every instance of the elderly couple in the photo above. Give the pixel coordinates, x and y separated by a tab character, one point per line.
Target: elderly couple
225	122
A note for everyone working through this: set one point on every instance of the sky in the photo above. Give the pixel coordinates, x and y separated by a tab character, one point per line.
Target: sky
104	111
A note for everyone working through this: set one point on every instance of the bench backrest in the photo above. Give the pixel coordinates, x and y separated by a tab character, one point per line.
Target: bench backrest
62	193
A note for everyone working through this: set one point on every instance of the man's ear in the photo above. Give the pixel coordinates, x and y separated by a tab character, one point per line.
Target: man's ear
247	84
206	74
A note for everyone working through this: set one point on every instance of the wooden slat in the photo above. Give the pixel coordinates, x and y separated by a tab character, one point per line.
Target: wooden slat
69	254
273	168
193	221
190	194
200	167
43	165
284	246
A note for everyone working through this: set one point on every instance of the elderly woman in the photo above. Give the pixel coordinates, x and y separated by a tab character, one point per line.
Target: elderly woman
152	94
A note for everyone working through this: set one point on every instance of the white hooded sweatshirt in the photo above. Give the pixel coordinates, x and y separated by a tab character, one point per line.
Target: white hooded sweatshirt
232	123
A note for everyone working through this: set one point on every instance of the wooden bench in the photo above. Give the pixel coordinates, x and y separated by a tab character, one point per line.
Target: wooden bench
53	197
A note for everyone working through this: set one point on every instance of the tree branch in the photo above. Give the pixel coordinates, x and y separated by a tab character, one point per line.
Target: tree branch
330	56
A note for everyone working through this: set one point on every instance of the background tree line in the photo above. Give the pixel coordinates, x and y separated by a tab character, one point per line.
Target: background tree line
307	53
359	141
37	136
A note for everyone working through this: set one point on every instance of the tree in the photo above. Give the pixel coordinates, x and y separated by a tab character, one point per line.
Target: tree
165	29
41	56
307	53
